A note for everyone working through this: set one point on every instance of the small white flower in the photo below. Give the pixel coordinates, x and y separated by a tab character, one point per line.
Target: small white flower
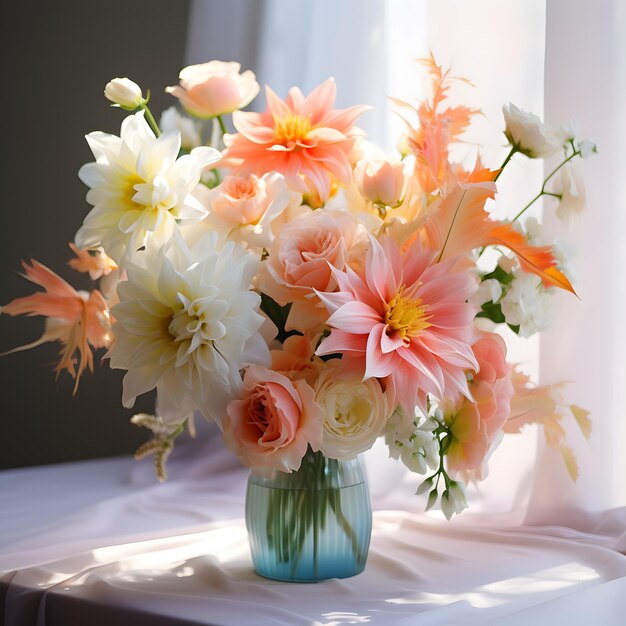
172	120
489	290
564	253
139	188
187	323
507	263
430	425
124	92
587	149
454	499
355	413
418	450
526	132
573	201
526	304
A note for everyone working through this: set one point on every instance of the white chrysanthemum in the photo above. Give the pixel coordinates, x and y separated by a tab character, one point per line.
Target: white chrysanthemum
187	323
172	120
139	188
527	304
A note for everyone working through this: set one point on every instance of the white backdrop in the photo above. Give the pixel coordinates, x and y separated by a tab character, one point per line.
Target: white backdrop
586	80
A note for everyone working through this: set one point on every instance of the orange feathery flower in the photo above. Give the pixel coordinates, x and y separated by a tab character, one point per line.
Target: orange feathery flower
544	405
458	223
95	262
437	127
79	320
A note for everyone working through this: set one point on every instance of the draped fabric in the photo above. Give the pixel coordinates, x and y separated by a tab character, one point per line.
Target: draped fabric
100	542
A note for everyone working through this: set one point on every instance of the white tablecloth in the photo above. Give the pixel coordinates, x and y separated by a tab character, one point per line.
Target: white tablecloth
100	542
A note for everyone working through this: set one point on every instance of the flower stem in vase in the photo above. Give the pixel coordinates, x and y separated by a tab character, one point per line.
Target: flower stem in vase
306	527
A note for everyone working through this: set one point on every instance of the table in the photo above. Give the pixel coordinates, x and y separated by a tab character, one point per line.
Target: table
100	542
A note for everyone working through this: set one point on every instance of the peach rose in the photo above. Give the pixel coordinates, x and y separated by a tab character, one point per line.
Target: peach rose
475	426
245	208
296	358
380	180
300	261
274	422
215	88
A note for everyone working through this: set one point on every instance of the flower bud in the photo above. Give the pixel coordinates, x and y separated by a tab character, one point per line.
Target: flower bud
453	499
424	487
124	92
380	181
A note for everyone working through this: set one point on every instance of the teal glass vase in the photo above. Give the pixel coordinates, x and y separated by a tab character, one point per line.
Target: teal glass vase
312	524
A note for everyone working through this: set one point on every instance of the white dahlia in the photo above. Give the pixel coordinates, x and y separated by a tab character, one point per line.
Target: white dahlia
187	323
139	188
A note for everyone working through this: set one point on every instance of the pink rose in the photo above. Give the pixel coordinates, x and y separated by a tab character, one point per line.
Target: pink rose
214	88
476	425
271	426
380	181
300	261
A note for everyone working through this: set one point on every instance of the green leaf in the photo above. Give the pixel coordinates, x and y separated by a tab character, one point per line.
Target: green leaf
500	275
278	314
492	312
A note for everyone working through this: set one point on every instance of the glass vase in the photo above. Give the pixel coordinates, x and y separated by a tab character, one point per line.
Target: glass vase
312	524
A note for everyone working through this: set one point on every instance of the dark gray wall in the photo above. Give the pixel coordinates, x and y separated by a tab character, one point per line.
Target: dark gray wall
56	59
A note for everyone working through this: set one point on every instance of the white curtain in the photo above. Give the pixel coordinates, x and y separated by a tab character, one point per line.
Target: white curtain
585	79
370	48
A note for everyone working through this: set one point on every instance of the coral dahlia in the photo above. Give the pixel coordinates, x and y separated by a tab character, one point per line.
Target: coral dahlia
301	137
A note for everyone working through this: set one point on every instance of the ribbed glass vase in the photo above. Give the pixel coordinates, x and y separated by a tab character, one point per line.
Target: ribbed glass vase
312	524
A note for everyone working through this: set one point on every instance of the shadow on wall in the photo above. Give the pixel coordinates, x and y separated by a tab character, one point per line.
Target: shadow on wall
57	57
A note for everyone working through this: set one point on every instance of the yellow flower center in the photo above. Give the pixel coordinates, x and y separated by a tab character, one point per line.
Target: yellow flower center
406	317
291	129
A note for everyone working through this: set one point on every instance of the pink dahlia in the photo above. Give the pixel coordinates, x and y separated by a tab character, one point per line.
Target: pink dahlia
404	319
302	138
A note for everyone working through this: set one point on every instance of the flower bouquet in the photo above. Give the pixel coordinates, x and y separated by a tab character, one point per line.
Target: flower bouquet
310	294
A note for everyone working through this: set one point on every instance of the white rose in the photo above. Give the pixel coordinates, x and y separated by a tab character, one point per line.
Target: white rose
124	92
529	134
355	413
